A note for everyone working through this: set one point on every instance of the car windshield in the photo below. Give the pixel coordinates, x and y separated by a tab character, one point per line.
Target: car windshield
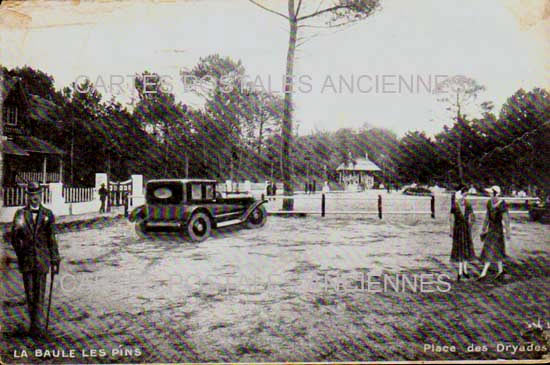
164	192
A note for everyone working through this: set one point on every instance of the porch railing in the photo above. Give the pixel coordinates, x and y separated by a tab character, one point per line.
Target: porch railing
28	176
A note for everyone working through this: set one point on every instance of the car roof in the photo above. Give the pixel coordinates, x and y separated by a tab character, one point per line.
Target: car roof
183	180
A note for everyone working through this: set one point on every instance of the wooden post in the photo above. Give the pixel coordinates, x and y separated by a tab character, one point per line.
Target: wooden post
323	202
526	204
44	171
432	206
380	206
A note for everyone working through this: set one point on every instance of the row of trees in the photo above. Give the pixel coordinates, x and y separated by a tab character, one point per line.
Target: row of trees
509	148
237	134
234	134
251	134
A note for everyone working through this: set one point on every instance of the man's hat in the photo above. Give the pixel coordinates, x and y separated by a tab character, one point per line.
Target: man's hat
33	188
493	189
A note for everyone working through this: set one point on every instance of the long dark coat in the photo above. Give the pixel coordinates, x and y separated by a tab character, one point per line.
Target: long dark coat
34	242
494	248
463	246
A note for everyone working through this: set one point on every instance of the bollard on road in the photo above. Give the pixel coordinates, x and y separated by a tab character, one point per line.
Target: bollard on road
380	206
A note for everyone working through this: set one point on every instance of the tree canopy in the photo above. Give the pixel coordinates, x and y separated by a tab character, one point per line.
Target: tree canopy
237	132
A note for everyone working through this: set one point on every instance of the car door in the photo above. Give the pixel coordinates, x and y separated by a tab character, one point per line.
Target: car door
223	209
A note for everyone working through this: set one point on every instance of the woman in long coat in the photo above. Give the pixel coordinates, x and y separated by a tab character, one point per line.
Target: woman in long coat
493	232
461	220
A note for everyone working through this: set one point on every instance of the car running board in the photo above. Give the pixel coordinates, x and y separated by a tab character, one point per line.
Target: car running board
230	223
163	224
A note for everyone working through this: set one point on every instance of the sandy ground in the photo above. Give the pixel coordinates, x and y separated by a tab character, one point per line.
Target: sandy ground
298	289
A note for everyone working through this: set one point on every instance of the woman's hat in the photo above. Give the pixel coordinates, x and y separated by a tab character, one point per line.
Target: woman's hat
493	189
33	188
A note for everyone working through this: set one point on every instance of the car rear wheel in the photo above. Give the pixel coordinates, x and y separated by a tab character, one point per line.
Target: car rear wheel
257	218
199	227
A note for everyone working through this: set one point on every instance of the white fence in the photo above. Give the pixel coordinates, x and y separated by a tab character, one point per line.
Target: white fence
381	203
15	196
257	186
515	205
78	195
64	200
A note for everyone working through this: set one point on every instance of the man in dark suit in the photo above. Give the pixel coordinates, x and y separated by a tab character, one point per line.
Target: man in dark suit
35	244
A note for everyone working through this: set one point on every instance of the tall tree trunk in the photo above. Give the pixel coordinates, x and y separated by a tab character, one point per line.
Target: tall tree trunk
288	204
260	135
260	170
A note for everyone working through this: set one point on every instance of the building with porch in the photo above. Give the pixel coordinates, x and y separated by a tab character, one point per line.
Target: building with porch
26	157
359	175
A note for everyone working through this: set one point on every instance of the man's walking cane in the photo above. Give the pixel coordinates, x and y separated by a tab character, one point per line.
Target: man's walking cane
52	274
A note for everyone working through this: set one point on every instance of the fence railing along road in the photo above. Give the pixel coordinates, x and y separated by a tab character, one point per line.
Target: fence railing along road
324	203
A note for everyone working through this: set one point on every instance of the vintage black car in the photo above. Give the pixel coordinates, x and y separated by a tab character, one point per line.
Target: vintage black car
195	207
417	191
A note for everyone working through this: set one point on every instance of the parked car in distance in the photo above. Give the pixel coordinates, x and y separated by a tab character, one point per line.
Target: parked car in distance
417	191
195	207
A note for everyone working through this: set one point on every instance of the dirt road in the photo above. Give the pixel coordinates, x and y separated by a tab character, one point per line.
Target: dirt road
299	289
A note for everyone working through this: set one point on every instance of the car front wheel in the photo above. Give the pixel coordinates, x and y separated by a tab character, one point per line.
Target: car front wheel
198	227
257	218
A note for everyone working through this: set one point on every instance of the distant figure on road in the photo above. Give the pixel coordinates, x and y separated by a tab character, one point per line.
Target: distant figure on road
33	239
268	188
493	232
102	196
461	221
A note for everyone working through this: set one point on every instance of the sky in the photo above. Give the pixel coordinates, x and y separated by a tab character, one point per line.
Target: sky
356	76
